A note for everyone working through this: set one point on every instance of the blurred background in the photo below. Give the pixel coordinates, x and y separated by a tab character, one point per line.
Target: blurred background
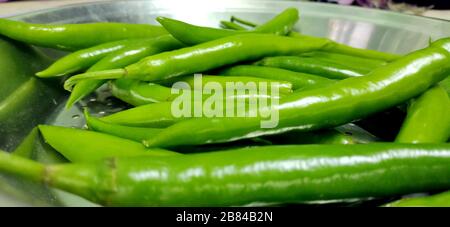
430	8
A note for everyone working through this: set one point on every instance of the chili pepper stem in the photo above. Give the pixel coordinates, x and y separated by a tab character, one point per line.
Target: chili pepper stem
99	75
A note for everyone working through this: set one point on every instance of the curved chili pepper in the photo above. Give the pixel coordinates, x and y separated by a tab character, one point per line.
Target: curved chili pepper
428	118
138	93
122	58
437	200
280	25
191	34
132	133
77	145
85	58
364	64
268	174
336	104
76	36
313	66
298	80
231	25
205	56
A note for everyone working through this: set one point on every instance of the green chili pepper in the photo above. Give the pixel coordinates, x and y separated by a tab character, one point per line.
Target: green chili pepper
428	118
241	21
284	87
191	34
313	66
363	64
151	115
437	200
139	93
76	36
25	148
231	25
132	133
85	58
269	174
280	24
298	80
205	56
334	105
128	55
83	146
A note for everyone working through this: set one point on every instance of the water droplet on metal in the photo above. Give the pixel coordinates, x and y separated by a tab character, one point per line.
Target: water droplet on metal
76	116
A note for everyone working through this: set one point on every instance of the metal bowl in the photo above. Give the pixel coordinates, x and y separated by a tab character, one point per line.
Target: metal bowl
359	27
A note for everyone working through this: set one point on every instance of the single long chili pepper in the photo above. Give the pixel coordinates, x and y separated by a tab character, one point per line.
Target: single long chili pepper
132	133
312	66
336	104
282	23
268	174
83	146
428	118
298	80
191	34
437	200
76	36
231	25
153	115
355	62
158	115
139	93
122	58
284	87
85	58
205	56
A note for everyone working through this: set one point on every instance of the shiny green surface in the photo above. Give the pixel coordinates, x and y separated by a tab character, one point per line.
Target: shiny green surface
127	132
428	118
437	200
205	56
283	87
191	35
336	104
138	93
75	36
313	66
77	144
126	56
271	174
85	58
298	80
360	63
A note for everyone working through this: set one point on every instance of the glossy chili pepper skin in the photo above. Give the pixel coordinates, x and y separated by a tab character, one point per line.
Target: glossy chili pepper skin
138	93
283	87
313	66
191	34
437	200
298	80
268	174
132	133
85	58
428	118
205	56
76	36
364	64
231	25
336	104
84	146
279	25
126	56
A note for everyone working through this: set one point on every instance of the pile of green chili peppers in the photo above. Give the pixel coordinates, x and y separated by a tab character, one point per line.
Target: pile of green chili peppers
318	151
